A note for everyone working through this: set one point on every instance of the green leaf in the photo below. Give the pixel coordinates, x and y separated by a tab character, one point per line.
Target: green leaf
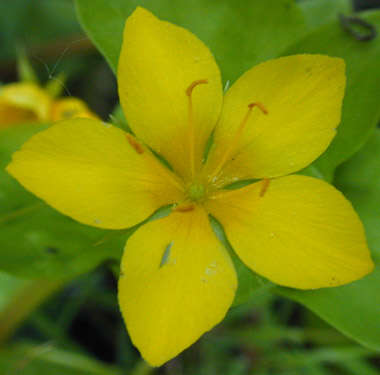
239	33
118	119
354	309
361	110
21	298
320	12
35	239
359	179
34	23
9	286
25	70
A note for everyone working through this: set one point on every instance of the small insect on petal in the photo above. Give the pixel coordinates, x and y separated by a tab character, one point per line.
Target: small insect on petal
166	254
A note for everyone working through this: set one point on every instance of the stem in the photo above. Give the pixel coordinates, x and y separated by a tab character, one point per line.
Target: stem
142	368
23	303
17	213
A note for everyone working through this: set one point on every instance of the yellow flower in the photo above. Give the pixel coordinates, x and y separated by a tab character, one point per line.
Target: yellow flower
23	102
177	281
27	102
68	108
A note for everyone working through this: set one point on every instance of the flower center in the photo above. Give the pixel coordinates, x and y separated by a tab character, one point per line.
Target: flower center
196	191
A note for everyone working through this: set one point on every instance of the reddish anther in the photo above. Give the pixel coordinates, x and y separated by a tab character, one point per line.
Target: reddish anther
184	208
264	187
258	105
194	84
137	146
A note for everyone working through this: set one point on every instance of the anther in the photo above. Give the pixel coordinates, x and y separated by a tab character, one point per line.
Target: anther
184	208
259	106
246	117
194	84
264	187
137	146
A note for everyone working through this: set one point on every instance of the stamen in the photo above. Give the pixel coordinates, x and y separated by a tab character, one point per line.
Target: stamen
260	106
137	146
189	92
239	132
264	187
184	208
194	84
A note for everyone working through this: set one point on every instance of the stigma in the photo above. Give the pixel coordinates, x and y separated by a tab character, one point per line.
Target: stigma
196	191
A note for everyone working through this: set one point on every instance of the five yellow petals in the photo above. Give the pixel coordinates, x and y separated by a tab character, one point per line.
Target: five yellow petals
177	280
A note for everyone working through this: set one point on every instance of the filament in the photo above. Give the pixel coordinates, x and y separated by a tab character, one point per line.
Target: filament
189	93
238	134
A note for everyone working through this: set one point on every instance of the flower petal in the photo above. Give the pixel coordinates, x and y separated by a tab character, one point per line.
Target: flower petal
10	115
158	62
303	96
88	170
299	232
177	282
26	97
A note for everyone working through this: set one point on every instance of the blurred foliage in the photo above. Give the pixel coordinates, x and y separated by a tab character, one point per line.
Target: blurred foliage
34	23
79	330
267	335
228	31
317	13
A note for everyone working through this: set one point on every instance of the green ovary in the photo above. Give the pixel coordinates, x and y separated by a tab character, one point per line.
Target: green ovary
196	191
